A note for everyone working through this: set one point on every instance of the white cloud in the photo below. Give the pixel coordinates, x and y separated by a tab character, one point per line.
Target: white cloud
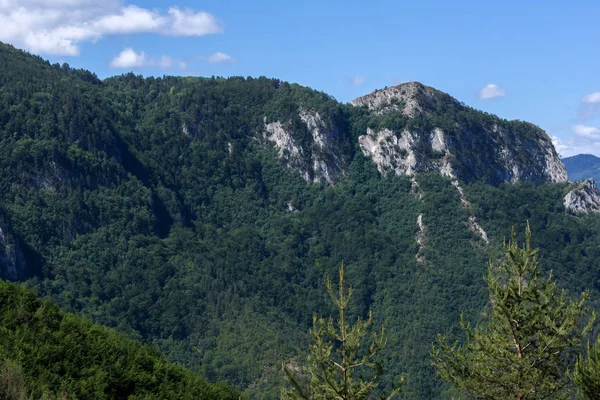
559	145
190	23
587	131
584	137
128	58
61	26
167	62
589	107
131	19
592	98
491	91
576	145
357	80
219	57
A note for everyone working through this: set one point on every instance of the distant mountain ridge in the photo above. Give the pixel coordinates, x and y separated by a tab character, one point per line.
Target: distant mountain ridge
582	166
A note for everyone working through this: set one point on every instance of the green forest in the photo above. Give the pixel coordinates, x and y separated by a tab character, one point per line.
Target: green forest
151	206
47	353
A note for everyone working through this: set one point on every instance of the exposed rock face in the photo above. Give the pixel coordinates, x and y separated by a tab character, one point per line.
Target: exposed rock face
389	152
555	169
12	261
431	132
476	228
584	198
421	239
410	99
401	155
470	146
289	153
321	162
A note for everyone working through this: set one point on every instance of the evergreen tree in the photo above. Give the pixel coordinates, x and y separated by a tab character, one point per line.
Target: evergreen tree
527	346
339	365
587	373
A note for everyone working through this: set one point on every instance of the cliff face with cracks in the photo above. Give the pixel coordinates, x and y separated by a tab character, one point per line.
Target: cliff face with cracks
441	134
412	128
584	198
320	161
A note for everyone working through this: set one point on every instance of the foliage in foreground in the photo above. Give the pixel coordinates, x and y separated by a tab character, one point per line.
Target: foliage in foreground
339	365
46	353
587	372
527	347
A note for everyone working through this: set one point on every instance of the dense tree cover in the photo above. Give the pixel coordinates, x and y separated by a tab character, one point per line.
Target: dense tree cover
526	346
47	353
153	206
587	372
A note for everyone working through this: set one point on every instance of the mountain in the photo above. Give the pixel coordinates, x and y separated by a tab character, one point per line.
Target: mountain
582	166
455	140
200	215
413	128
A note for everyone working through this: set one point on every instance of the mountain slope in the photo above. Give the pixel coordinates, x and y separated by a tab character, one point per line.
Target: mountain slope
582	166
46	353
201	214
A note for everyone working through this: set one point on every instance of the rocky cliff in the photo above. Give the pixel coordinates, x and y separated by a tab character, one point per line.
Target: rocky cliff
12	261
583	198
420	129
410	99
411	129
319	162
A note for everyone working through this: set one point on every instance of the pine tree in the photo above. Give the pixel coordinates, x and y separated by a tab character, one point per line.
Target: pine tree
528	344
587	373
339	365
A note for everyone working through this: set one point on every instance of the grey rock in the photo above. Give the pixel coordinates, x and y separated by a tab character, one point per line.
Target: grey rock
484	147
12	260
322	162
584	198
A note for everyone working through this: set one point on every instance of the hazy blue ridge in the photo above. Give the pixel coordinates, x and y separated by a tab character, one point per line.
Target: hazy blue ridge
582	166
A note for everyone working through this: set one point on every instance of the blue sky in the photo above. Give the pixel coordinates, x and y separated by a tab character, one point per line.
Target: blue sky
531	60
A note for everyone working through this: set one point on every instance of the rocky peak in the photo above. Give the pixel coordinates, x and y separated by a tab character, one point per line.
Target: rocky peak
411	129
410	99
584	198
441	134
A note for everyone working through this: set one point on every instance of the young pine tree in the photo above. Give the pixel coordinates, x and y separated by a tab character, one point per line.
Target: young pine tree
529	342
587	373
340	364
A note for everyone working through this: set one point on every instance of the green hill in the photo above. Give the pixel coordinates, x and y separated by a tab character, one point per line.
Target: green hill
583	166
46	353
200	215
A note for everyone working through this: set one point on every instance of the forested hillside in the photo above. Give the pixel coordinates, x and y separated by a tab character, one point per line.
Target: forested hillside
583	166
46	353
175	210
